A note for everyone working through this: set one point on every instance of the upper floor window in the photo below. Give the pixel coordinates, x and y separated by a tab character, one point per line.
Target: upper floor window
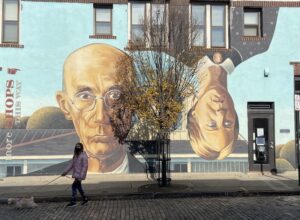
103	19
218	26
158	14
138	15
10	31
158	25
208	25
198	25
252	22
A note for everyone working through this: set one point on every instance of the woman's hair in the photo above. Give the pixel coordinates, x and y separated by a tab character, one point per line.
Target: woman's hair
78	149
197	138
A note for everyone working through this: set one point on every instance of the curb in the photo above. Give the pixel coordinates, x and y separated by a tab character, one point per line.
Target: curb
159	195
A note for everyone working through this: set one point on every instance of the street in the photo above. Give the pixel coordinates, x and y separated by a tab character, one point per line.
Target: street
267	207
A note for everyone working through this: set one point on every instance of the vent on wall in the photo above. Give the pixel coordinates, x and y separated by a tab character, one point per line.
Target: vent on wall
297	84
260	105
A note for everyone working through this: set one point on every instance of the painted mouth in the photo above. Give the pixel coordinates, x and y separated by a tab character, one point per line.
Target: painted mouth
103	138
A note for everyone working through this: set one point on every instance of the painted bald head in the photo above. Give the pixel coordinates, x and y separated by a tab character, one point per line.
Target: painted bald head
90	92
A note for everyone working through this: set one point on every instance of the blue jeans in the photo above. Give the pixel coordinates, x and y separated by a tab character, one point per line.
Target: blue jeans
77	186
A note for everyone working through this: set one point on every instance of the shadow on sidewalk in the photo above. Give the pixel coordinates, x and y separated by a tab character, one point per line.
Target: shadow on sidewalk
147	189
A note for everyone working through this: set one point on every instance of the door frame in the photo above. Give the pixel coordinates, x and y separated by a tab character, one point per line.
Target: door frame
262	113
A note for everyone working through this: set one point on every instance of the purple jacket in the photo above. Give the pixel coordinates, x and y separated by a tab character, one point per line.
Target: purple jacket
79	166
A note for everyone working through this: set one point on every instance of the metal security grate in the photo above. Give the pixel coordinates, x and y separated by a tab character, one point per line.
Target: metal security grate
260	105
220	166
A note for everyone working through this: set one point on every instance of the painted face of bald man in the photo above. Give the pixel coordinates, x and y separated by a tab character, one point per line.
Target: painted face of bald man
91	91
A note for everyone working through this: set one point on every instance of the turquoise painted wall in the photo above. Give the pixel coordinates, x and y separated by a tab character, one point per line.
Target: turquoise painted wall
248	84
49	32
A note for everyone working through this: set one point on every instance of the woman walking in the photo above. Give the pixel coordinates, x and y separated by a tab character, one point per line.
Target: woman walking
79	167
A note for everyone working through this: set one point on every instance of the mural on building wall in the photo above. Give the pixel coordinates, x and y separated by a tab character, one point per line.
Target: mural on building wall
213	115
90	74
286	156
212	121
89	78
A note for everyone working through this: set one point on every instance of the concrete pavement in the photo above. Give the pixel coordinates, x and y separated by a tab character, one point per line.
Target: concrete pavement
100	186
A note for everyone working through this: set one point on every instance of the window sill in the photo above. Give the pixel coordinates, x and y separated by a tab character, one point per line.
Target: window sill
250	38
201	48
12	45
143	46
103	36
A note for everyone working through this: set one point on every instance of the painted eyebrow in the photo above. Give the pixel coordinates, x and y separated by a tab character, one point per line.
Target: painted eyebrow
84	89
113	87
88	89
211	112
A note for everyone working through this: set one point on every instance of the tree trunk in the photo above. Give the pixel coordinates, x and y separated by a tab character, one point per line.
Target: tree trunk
163	158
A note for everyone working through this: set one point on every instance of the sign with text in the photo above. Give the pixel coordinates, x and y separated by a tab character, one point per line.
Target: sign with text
297	102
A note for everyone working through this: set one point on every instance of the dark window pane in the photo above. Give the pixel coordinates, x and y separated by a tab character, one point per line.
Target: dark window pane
297	85
183	168
180	167
18	171
176	167
9	171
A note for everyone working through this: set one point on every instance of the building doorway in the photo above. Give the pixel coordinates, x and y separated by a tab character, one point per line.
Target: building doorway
297	121
261	144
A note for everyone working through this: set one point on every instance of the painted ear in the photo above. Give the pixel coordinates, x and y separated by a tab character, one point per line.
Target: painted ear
63	104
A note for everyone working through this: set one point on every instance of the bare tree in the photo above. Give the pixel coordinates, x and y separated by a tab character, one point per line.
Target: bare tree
160	72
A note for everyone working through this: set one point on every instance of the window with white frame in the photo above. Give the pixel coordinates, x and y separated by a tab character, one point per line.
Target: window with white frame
138	19
180	167
218	25
147	21
208	25
103	19
13	170
198	25
157	13
10	23
252	22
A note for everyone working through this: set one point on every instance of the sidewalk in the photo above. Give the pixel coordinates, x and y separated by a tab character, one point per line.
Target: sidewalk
118	186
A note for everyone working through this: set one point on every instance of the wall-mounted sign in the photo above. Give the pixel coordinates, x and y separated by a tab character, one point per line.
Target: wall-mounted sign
260	141
260	132
297	102
284	130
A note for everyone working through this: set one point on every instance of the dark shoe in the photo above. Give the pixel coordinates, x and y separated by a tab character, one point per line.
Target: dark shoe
85	200
71	204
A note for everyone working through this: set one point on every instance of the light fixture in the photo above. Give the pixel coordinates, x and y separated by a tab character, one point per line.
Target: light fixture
266	72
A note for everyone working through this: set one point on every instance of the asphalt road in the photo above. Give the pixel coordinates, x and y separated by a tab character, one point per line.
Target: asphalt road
270	207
